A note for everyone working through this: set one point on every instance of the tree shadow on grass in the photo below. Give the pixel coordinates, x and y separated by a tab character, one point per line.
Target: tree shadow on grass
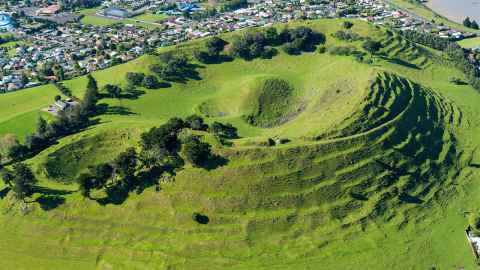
410	199
50	198
188	74
200	218
50	202
358	196
146	179
132	94
474	165
116	195
162	85
215	162
218	60
49	191
107	109
403	63
459	82
4	192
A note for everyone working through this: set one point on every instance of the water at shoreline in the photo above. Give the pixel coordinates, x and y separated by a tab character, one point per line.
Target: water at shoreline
456	10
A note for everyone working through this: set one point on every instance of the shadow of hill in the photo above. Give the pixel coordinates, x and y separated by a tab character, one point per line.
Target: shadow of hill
107	109
403	63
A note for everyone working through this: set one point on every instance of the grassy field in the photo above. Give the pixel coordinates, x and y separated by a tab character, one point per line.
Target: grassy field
470	43
21	109
150	17
376	175
91	18
146	20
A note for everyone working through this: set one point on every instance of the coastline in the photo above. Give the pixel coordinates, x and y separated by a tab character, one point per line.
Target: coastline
455	11
421	10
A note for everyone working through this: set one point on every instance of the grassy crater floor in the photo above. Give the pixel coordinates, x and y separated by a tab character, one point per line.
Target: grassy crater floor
377	173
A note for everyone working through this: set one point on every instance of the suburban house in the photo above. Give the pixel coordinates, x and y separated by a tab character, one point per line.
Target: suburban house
48	11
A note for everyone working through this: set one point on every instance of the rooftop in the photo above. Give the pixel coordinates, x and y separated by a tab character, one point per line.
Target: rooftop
6	22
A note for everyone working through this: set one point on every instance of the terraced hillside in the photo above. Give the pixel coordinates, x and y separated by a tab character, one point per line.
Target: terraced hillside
410	54
377	172
401	154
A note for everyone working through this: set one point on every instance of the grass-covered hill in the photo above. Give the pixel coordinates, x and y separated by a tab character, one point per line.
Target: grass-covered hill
378	172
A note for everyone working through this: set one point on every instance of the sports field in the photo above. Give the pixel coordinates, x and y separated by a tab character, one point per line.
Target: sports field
146	20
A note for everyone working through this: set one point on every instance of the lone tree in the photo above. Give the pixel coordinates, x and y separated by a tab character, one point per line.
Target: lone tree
172	67
301	39
85	183
113	91
135	78
474	25
90	98
372	46
21	180
347	25
42	127
467	22
214	46
150	82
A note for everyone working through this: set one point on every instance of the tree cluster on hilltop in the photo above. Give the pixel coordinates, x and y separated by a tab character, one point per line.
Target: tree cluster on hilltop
300	39
470	23
174	67
212	52
347	36
163	150
262	43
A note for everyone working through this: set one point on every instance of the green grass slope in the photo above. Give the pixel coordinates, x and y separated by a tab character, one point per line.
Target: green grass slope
273	103
377	174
